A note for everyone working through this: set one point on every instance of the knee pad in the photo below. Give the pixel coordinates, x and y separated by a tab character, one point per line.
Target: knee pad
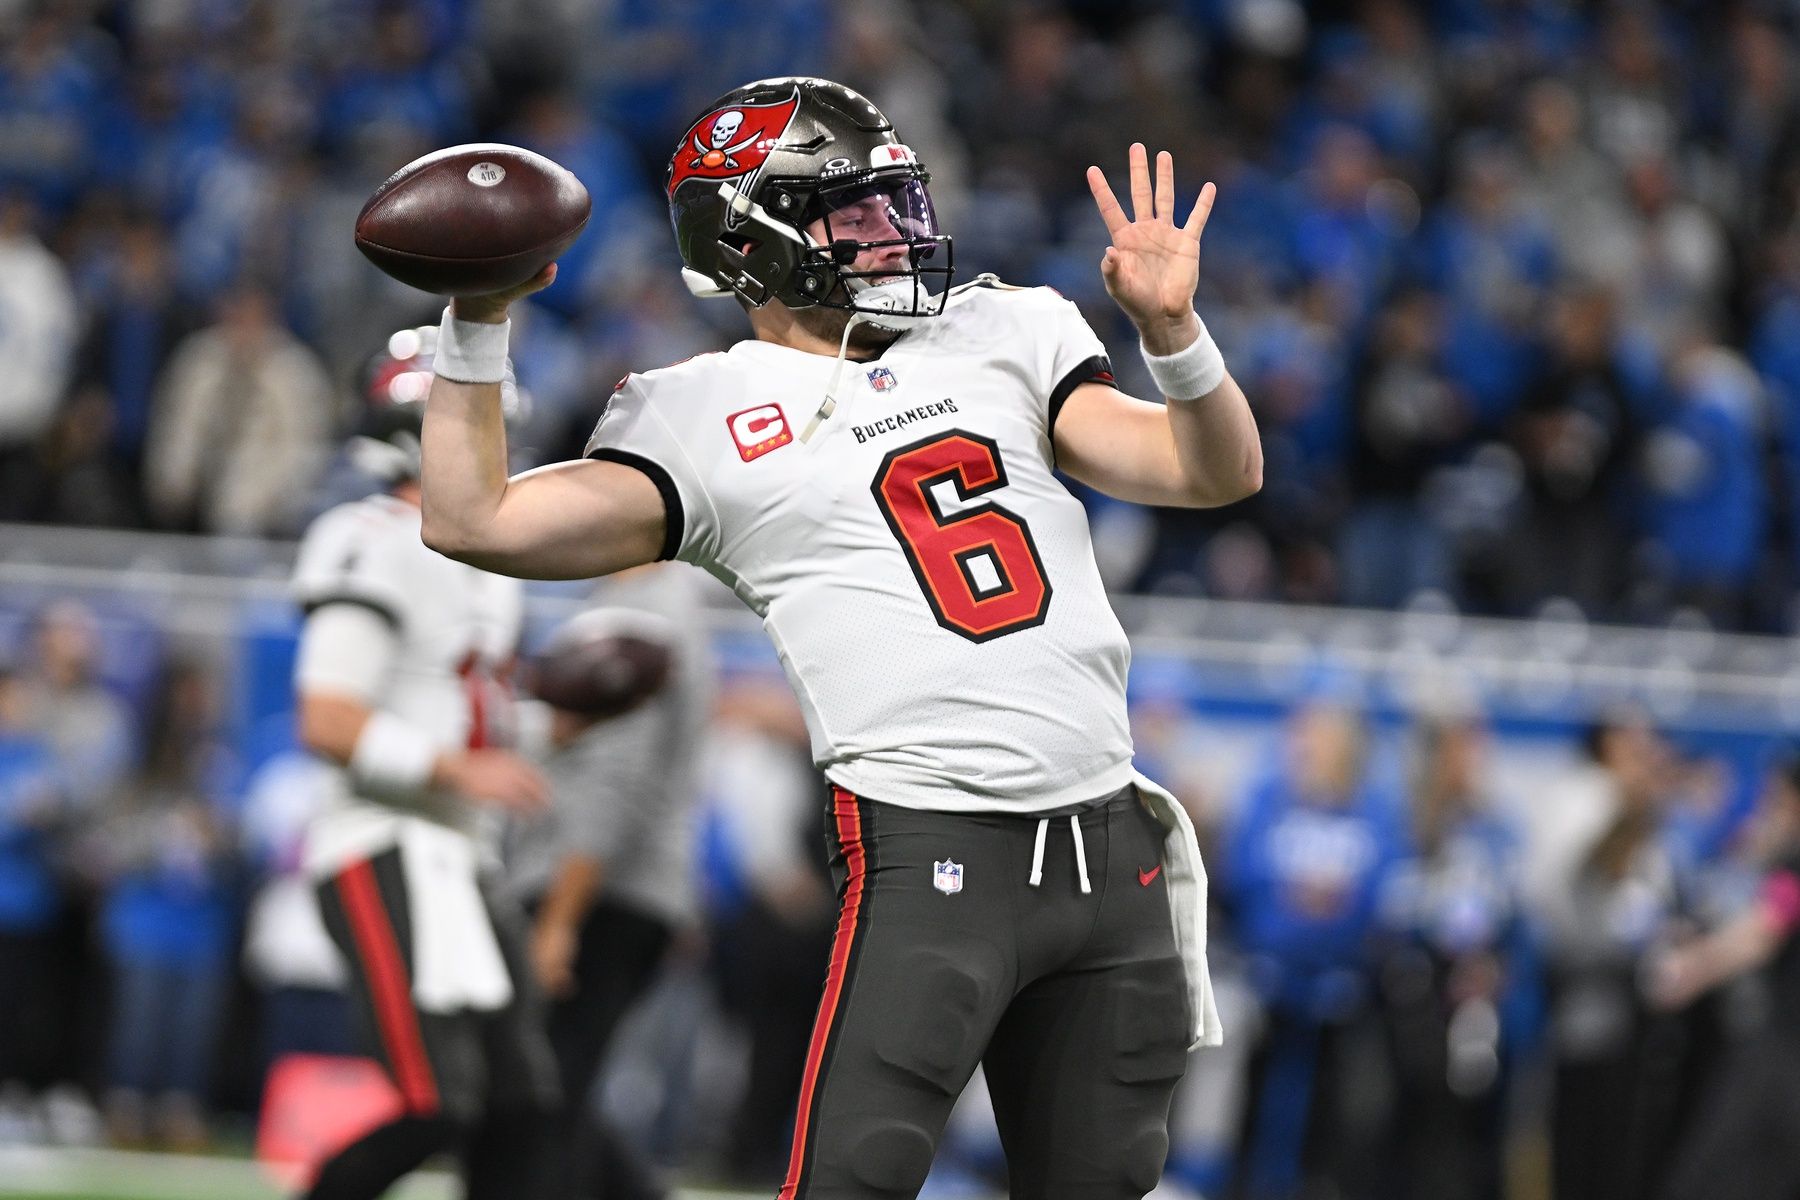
1150	1025
937	1032
891	1157
1141	1159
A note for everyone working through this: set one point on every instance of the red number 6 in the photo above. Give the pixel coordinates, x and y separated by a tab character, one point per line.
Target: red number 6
979	568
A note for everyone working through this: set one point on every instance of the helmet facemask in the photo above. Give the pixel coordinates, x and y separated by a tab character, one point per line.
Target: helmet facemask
882	247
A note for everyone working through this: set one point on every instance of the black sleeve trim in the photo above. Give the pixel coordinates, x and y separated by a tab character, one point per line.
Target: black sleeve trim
1097	369
315	603
674	521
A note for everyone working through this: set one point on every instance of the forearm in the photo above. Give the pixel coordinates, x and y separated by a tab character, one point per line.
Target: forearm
1217	445
572	890
464	479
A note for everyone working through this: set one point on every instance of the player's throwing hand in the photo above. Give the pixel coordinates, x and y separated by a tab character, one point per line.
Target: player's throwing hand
1153	265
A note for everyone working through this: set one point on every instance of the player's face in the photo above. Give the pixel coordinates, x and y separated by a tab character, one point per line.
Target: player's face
880	218
870	219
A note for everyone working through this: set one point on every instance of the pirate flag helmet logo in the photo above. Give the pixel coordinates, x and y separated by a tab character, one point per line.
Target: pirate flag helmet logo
730	142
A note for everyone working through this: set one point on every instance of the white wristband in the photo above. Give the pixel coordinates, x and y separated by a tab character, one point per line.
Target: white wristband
471	351
1188	374
393	759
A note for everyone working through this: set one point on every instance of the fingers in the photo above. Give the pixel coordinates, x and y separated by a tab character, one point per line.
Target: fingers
1202	210
1165	186
1110	212
1142	207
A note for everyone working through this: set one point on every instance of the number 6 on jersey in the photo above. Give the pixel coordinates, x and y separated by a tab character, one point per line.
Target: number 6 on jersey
979	568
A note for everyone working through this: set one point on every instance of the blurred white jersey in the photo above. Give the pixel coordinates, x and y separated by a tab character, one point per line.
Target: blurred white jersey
455	632
928	583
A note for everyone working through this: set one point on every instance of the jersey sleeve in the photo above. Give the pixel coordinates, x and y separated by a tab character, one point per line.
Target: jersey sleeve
1066	351
631	432
349	557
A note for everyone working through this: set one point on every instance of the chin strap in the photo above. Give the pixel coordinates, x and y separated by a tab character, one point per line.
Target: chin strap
828	402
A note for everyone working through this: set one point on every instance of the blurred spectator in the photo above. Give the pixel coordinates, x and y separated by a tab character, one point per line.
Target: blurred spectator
1577	438
1571	187
1492	258
1708	505
87	727
1459	983
128	338
1410	417
1672	272
241	425
1349	230
1303	871
38	328
1612	902
31	900
169	919
53	75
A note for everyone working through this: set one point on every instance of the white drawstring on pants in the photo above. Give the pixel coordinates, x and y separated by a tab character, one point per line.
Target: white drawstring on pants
1037	853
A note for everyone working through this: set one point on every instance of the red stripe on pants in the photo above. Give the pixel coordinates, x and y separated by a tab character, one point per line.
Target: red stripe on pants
389	987
849	832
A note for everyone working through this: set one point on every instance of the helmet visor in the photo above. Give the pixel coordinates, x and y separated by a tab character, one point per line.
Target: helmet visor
884	233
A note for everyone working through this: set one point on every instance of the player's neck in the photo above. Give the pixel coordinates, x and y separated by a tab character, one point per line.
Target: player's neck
799	329
410	492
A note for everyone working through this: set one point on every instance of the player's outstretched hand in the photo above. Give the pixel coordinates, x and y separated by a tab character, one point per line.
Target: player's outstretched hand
1153	265
491	308
497	778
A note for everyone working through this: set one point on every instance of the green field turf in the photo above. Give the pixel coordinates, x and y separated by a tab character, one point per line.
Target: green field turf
59	1174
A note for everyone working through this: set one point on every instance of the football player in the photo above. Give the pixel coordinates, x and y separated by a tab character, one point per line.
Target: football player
873	472
401	676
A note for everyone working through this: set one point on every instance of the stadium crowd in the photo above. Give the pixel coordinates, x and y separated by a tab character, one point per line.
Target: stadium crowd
1512	285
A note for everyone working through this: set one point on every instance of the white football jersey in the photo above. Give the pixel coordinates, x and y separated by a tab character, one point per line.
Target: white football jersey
457	630
928	583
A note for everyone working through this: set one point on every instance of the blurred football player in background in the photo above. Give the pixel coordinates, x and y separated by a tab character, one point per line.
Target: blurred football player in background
873	474
402	680
609	874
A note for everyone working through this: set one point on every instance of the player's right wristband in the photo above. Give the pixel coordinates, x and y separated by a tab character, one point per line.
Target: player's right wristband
471	351
393	759
1188	374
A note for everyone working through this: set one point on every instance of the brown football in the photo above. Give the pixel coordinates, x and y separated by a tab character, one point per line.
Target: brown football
472	219
602	676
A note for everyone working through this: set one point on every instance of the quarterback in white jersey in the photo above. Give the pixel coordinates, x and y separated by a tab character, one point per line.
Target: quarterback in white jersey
946	632
873	473
401	682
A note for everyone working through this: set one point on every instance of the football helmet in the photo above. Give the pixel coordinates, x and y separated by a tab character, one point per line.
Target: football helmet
395	383
772	159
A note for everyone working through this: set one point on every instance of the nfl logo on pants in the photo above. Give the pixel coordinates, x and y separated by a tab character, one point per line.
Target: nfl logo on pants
946	877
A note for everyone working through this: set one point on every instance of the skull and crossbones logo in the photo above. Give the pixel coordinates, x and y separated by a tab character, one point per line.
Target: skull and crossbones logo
722	152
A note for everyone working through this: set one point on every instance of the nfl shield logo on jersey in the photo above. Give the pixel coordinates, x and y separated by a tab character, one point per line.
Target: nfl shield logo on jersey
882	380
946	877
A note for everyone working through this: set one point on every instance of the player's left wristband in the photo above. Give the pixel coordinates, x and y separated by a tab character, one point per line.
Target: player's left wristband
1190	373
393	759
471	351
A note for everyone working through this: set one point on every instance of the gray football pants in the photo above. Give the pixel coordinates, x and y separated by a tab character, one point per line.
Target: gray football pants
948	955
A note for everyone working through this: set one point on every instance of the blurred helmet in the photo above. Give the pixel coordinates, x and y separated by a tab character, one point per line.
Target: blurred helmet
766	161
395	383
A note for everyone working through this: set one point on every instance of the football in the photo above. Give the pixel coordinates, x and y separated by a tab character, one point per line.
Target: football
599	677
472	219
